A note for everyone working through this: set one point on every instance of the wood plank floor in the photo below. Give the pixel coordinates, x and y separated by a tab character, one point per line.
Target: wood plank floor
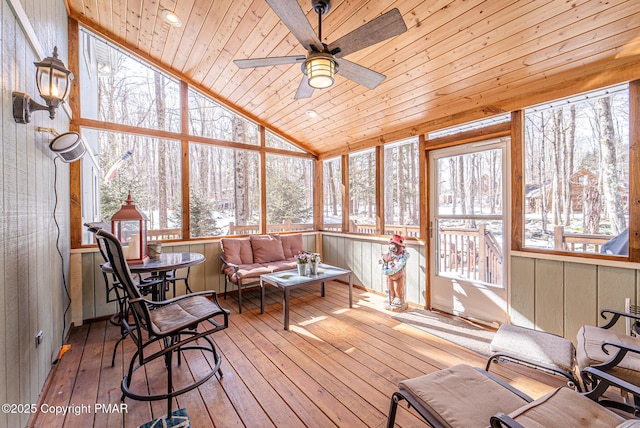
335	367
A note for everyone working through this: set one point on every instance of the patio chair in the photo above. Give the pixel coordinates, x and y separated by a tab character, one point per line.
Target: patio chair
172	324
116	293
606	349
464	396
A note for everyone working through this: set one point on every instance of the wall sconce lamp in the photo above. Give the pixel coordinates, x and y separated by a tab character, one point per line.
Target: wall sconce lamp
53	80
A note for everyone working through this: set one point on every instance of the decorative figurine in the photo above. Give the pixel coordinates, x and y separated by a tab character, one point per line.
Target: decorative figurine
392	264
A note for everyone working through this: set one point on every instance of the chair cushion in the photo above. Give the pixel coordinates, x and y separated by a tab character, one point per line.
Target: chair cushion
461	396
237	250
181	314
533	346
266	249
589	352
565	408
291	244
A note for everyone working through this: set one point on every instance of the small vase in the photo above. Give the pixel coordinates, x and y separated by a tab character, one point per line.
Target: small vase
302	269
314	268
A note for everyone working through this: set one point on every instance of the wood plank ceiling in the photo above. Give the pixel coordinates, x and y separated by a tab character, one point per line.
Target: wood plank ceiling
459	60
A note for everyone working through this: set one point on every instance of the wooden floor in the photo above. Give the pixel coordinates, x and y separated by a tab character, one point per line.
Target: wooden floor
335	367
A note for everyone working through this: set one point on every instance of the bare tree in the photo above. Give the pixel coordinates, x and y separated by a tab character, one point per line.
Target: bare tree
556	154
461	190
390	184
613	202
402	201
453	183
569	149
162	155
241	177
591	205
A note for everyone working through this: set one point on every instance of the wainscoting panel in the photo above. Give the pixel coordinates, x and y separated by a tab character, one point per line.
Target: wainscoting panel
580	292
361	254
523	285
559	296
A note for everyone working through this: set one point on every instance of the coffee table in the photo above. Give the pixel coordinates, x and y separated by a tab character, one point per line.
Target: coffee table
289	280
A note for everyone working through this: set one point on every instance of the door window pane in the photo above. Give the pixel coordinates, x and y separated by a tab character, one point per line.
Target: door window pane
470	184
471	250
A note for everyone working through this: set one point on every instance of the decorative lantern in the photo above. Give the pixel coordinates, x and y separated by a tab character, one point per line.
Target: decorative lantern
54	83
129	225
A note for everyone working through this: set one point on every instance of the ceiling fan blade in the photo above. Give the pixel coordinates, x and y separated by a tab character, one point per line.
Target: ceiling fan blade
359	74
385	26
266	62
293	17
304	90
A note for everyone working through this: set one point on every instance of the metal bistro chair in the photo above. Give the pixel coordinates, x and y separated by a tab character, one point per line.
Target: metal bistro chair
115	291
172	323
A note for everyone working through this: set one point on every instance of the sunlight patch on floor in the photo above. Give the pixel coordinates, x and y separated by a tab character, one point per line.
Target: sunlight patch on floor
312	320
304	332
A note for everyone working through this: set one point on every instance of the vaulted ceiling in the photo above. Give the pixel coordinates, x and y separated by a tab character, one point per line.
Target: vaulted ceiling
459	60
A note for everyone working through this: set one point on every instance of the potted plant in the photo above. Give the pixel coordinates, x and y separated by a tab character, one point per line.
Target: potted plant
314	259
303	260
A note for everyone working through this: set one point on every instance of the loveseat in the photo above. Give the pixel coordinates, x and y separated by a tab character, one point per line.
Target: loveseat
245	259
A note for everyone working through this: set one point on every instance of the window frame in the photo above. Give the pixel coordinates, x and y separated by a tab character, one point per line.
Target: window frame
517	178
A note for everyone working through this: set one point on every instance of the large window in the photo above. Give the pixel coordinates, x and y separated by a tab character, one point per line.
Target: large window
118	88
362	192
332	185
224	191
148	168
289	193
272	140
401	190
576	194
209	119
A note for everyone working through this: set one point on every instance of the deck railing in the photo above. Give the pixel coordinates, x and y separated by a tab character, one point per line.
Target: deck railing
287	226
580	242
389	229
473	253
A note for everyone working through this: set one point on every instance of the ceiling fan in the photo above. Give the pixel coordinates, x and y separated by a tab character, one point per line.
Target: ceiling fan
323	61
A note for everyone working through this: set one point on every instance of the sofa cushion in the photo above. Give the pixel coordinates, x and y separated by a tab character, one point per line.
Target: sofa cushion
281	265
565	408
246	272
589	352
266	249
291	244
237	250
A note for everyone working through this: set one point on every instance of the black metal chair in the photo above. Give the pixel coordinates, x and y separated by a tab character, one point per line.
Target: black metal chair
171	323
610	351
115	292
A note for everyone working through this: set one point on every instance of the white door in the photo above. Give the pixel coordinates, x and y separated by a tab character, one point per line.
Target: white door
469	233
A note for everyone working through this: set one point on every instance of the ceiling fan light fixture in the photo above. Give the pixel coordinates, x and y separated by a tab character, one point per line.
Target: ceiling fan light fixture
320	69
